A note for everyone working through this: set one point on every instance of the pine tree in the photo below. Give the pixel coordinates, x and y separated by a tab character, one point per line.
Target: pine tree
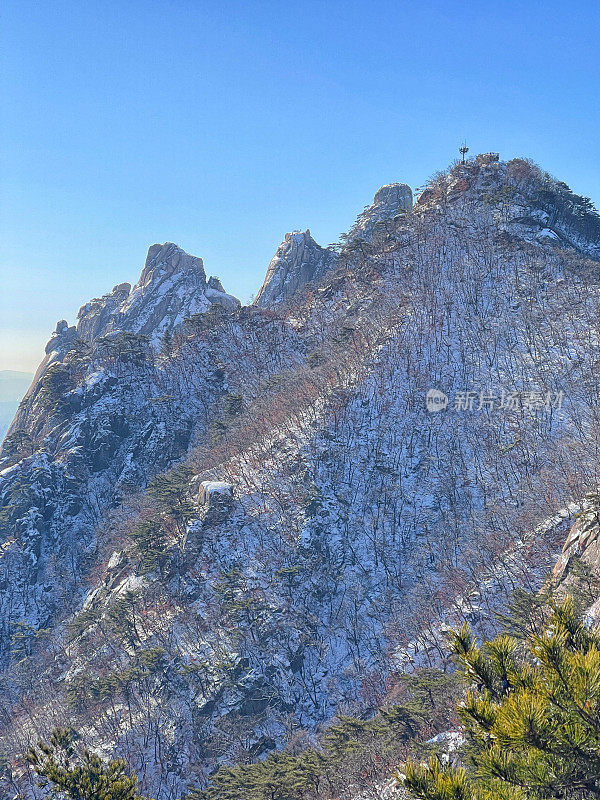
166	345
66	771
150	546
19	443
531	716
54	388
233	404
351	752
171	492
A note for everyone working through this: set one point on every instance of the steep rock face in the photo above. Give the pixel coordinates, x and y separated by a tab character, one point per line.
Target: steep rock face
13	385
389	201
171	288
59	344
299	260
96	317
350	524
582	541
124	416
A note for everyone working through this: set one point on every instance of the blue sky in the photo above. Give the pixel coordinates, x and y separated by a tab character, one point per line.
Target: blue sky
222	125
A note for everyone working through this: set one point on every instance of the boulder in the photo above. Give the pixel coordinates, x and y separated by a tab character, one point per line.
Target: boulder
210	492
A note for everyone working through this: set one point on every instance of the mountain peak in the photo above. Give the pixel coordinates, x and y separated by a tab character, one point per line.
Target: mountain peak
298	261
172	286
524	201
395	196
168	259
389	201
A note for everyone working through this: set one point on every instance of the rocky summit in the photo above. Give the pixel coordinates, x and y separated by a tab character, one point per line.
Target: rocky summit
299	260
171	288
226	526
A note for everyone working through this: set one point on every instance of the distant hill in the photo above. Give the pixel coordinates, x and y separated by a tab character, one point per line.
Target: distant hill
13	386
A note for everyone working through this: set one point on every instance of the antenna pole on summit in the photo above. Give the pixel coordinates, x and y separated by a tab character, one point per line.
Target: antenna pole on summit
463	150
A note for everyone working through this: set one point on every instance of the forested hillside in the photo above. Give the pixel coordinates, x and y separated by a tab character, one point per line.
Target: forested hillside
234	535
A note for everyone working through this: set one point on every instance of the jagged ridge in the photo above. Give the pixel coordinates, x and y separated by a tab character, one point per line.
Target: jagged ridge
356	522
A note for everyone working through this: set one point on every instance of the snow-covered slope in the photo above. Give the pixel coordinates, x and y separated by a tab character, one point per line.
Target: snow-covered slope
353	518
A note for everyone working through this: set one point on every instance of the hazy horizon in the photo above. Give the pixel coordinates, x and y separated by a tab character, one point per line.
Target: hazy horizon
13	385
222	128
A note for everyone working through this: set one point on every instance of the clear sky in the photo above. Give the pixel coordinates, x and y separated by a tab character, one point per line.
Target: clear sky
221	125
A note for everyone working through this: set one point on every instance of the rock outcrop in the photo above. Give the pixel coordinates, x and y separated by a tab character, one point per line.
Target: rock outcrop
390	201
214	491
172	287
299	260
96	317
583	541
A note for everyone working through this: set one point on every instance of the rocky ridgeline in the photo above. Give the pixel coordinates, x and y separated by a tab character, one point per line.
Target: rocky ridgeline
222	525
171	288
300	261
